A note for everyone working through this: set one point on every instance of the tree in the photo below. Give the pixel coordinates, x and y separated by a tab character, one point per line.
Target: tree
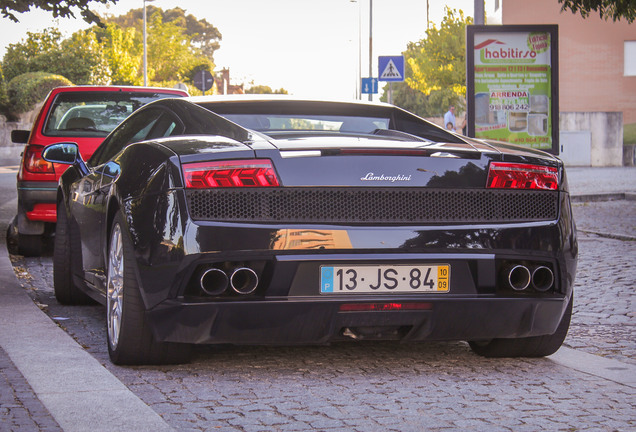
171	55
178	45
60	8
82	60
615	9
28	54
113	53
263	89
79	58
202	34
4	99
408	98
123	53
436	68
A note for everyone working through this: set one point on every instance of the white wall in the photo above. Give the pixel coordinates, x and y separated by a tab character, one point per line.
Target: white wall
606	129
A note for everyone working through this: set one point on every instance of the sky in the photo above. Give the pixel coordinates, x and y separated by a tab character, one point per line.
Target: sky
310	48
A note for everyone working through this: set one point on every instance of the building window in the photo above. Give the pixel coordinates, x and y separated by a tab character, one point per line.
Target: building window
496	5
630	58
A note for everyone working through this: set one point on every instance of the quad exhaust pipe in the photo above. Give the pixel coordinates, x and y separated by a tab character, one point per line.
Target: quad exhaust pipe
214	281
244	280
542	278
519	277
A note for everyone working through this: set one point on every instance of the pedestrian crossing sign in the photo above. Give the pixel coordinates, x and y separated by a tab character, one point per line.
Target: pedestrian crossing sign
391	68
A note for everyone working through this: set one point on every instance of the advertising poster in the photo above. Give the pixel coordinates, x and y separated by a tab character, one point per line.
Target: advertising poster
512	93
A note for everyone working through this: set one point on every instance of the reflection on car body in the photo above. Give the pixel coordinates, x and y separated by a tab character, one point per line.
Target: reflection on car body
286	221
80	114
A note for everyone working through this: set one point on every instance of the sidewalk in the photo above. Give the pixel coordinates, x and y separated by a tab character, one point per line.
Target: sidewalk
586	181
48	382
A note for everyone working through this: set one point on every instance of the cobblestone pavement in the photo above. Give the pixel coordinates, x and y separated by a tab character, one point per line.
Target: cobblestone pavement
387	386
605	304
20	409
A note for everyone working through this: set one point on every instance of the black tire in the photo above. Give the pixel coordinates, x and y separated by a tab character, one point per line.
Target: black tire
535	346
66	292
128	333
30	245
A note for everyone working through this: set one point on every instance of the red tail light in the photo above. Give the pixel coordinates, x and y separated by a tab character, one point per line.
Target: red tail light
503	175
34	163
233	173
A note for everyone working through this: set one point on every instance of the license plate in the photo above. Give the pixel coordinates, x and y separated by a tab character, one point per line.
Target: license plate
385	279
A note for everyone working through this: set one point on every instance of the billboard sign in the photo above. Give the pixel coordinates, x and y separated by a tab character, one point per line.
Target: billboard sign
512	84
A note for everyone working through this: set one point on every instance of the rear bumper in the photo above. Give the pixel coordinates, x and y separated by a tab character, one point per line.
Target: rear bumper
36	200
287	307
320	321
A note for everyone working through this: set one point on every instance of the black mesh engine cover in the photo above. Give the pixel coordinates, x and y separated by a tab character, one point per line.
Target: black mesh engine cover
371	206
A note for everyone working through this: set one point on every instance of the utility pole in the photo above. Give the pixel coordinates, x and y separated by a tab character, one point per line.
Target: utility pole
427	19
370	43
145	50
479	13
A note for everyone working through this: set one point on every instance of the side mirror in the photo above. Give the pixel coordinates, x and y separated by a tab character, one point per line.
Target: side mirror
19	136
65	153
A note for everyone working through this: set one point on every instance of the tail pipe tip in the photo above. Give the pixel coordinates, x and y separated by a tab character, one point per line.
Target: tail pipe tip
542	278
244	280
214	281
519	277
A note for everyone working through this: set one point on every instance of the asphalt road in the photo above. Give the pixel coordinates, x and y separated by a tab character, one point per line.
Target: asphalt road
588	385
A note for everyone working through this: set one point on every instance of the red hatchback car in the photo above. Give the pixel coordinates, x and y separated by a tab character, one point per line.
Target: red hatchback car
81	114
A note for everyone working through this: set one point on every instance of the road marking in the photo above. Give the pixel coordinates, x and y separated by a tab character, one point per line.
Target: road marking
610	369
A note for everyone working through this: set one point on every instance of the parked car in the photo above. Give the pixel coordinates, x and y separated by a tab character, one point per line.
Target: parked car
81	114
282	221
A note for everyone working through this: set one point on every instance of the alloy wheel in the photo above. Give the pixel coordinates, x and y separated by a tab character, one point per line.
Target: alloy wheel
115	286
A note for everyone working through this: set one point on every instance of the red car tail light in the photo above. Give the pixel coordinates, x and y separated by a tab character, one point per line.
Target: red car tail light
232	173
502	175
34	163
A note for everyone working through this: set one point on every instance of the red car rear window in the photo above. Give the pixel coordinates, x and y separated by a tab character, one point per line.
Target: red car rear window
93	114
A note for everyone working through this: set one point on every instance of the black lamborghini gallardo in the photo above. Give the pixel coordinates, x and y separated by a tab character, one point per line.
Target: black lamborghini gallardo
281	221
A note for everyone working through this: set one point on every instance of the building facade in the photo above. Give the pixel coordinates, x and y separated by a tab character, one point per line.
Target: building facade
597	57
597	73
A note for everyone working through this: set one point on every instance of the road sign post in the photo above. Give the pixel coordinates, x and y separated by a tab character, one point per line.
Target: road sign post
369	86
391	69
203	80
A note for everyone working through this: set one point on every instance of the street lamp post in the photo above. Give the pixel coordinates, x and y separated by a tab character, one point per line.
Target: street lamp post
479	18
359	70
370	43
145	49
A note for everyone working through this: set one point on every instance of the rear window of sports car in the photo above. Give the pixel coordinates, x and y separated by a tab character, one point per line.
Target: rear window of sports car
290	122
93	114
278	118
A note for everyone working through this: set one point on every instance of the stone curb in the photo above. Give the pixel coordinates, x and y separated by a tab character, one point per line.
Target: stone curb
603	197
609	369
75	388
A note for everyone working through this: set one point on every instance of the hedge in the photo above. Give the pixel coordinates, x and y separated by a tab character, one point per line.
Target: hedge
4	99
26	90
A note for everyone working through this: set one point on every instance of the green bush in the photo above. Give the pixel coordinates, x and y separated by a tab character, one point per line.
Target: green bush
4	99
26	90
629	134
